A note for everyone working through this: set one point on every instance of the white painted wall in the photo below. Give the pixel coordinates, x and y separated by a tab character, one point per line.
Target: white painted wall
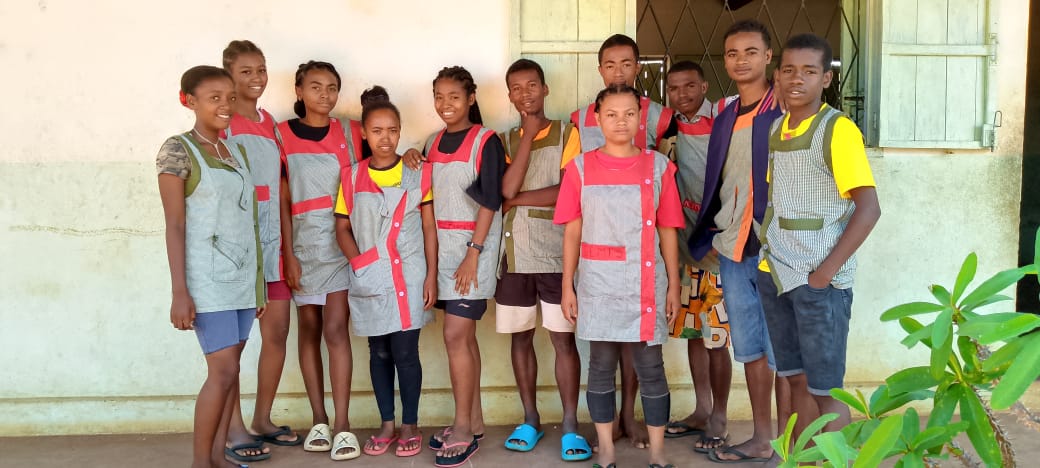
89	93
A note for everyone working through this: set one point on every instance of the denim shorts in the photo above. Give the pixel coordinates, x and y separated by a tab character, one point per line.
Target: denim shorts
809	328
747	323
219	330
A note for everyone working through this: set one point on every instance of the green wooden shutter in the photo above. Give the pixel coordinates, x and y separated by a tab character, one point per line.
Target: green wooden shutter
563	36
937	58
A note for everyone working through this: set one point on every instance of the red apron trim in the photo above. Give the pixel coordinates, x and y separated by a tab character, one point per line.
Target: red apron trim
647	251
690	204
263	193
457	225
702	127
607	253
663	121
574	118
365	259
397	265
590	116
313	204
644	115
462	154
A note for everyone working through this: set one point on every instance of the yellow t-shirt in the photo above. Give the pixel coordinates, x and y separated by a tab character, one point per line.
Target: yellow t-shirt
386	177
848	156
571	145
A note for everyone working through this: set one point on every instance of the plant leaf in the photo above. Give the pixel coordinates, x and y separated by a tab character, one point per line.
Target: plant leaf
880	442
945	404
1022	372
969	354
992	300
849	399
941	356
912	460
942	327
783	443
941	294
908	309
812	429
992	286
937	436
965	276
834	448
910	379
1003	357
810	455
890	404
978	325
1019	324
921	335
979	430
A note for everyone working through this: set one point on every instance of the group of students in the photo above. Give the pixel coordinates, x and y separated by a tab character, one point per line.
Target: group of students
616	243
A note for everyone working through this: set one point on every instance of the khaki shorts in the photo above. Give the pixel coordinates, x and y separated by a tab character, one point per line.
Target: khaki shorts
515	319
703	313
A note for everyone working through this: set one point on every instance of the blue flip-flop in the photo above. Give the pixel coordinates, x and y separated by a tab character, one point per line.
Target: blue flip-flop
527	434
574	443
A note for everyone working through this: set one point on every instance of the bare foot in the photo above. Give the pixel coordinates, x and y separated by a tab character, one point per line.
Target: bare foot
617	435
455	444
269	427
410	438
751	448
636	433
693	423
380	440
714	436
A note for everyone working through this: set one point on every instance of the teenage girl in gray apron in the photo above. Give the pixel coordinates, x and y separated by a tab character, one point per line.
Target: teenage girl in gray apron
621	278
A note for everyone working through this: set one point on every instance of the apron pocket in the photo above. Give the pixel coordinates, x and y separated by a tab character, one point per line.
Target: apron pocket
229	259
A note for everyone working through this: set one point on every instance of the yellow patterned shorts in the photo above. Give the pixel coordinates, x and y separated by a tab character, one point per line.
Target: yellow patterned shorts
703	313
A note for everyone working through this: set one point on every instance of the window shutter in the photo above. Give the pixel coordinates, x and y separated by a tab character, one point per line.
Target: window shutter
937	57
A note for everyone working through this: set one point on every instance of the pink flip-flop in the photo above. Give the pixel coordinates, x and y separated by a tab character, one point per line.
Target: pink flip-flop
380	441
403	452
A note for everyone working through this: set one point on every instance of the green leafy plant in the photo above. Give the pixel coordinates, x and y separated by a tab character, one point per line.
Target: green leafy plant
961	374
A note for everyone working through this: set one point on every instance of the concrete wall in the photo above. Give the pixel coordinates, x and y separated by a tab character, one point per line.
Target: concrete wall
89	94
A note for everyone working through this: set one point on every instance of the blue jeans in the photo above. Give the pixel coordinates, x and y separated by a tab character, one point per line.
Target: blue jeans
809	328
747	322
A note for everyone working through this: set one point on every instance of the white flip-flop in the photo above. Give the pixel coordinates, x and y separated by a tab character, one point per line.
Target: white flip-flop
345	440
318	432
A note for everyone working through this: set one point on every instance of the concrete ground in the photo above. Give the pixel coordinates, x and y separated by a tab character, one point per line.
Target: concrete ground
174	450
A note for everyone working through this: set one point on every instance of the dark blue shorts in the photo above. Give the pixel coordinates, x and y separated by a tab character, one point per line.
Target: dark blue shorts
219	330
472	309
809	330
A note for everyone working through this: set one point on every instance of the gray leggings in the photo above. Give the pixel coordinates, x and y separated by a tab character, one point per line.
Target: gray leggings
649	366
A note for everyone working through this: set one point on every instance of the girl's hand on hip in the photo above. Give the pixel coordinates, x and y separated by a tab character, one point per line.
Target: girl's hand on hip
260	311
182	311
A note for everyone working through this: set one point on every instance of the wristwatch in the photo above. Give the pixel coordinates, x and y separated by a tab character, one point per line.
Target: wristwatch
479	248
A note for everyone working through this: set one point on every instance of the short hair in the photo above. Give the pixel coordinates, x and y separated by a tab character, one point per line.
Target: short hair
685	65
240	47
809	41
526	64
615	41
617	89
752	26
194	76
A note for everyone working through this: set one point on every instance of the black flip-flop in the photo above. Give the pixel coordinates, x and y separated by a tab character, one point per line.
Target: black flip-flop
744	458
706	439
460	459
232	452
436	444
272	437
687	430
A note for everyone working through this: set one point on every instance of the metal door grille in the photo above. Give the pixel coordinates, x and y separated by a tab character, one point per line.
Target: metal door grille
673	30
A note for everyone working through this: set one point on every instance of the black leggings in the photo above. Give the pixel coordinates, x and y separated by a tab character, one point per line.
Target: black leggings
398	350
649	366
